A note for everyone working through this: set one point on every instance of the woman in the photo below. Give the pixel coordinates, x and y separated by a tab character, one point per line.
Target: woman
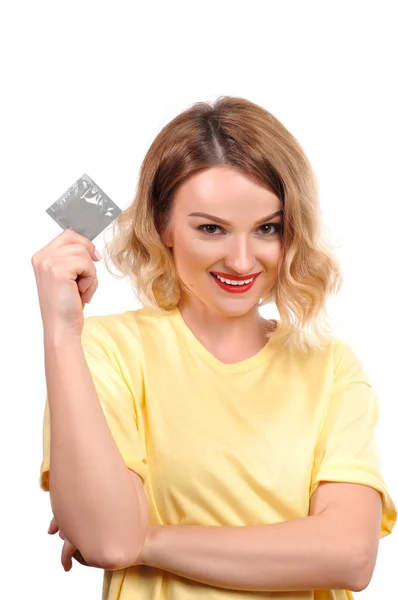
197	449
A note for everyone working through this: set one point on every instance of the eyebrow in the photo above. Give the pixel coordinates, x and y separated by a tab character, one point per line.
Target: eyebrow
223	222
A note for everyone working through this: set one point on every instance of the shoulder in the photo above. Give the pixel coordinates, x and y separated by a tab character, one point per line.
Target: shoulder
125	322
337	362
339	353
347	363
111	330
126	331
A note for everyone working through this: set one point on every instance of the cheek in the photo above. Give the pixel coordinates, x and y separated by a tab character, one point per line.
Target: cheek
191	255
272	255
274	259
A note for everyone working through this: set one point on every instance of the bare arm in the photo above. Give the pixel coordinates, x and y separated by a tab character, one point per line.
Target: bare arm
303	554
93	494
335	547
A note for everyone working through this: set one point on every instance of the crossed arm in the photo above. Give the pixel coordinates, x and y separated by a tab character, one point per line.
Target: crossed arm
335	547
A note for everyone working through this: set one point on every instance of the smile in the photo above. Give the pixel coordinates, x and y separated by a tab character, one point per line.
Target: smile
234	286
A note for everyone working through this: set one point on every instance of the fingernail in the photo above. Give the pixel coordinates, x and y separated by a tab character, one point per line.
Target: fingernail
97	255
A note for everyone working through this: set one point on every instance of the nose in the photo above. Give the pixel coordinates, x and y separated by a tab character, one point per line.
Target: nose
240	257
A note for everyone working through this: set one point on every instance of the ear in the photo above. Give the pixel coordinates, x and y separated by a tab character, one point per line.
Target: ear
167	238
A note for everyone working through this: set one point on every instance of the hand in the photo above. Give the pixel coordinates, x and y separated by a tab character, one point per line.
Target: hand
69	551
66	279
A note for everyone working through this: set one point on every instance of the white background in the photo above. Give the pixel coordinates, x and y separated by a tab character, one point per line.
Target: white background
86	87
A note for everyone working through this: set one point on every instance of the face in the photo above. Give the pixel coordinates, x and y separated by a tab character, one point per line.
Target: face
237	241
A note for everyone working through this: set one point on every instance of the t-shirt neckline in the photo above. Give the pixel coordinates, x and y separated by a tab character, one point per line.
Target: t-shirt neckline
259	359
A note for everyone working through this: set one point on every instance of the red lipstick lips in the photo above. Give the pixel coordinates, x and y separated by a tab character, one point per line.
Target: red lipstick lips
237	288
235	277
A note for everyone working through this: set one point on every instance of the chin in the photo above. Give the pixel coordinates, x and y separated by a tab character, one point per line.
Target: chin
228	307
236	309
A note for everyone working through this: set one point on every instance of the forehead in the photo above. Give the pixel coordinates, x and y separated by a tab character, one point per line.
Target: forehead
224	188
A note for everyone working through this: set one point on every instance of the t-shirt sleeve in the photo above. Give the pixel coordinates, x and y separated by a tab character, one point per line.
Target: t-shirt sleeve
347	449
117	394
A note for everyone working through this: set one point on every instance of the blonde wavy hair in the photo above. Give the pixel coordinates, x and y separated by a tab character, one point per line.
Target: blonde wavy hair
240	134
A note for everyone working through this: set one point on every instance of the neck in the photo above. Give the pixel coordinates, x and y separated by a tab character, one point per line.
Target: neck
221	331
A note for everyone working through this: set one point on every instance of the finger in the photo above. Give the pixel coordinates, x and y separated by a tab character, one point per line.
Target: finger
84	282
78	268
61	535
66	555
67	237
72	236
88	294
53	528
74	248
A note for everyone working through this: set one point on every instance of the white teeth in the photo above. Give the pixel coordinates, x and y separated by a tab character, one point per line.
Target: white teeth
231	282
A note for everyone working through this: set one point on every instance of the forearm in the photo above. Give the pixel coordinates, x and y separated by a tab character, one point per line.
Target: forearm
304	554
93	496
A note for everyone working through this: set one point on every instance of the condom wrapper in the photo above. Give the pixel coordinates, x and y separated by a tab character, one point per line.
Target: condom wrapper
85	208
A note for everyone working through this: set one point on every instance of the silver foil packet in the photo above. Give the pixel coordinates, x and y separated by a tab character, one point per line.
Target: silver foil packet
85	208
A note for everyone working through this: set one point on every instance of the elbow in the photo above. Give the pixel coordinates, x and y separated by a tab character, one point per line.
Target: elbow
364	577
112	560
360	573
108	561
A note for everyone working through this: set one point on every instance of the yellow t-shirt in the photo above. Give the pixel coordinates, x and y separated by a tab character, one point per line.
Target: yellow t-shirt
226	444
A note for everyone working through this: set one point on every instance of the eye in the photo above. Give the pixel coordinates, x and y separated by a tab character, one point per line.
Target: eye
277	227
208	228
211	229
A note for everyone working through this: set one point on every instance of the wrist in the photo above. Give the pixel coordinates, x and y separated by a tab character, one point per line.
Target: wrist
147	551
59	337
